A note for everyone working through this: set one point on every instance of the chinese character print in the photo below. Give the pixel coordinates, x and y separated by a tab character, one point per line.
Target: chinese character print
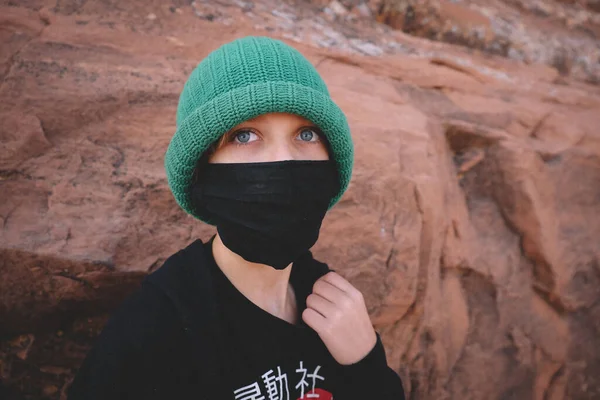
250	392
312	394
277	386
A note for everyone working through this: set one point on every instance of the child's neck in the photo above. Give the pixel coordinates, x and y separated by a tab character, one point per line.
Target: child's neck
263	285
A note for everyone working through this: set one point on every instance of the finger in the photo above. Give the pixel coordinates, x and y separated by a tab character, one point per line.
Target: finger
342	284
320	304
314	320
338	281
329	292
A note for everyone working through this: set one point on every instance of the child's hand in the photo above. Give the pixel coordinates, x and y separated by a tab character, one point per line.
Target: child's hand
336	311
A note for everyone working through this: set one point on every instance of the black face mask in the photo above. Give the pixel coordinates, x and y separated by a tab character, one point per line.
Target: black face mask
269	212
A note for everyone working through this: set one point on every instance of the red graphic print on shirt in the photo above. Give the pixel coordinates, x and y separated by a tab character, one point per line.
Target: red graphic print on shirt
320	394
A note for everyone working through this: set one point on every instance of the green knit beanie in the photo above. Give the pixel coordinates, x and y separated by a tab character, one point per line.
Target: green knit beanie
241	80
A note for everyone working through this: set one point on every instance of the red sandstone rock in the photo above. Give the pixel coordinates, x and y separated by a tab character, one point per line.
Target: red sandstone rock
471	223
562	34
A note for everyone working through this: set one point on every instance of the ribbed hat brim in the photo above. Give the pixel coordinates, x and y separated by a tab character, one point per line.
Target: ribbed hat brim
197	132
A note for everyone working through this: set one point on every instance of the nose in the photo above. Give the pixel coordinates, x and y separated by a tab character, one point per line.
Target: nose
281	151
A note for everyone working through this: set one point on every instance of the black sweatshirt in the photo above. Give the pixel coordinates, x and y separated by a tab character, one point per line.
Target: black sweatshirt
188	333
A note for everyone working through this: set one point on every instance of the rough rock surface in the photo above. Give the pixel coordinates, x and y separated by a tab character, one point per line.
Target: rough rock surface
563	34
471	223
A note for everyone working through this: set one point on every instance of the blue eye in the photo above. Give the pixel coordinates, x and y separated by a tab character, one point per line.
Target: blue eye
244	137
308	135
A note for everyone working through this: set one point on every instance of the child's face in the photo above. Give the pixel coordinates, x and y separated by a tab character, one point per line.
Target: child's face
271	137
